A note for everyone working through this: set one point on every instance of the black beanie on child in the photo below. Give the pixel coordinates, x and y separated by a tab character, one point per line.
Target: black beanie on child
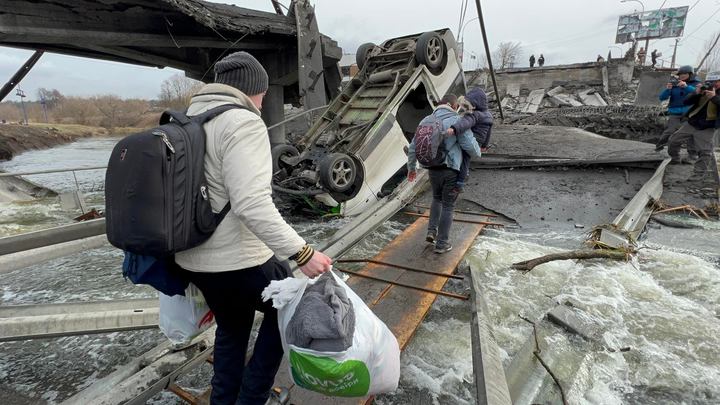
242	71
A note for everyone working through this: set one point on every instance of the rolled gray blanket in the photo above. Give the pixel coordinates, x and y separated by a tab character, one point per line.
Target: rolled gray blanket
324	320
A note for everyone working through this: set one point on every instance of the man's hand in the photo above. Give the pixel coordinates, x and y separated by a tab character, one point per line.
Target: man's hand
450	131
317	265
682	84
412	175
669	86
709	93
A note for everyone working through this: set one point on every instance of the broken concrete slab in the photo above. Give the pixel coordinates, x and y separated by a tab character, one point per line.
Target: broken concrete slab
571	320
533	101
591	97
567	100
513	90
651	83
556	90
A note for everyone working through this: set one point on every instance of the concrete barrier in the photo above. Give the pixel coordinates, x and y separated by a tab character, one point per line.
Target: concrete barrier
14	261
52	236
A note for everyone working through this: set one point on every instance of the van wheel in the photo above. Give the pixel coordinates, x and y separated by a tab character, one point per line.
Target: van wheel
363	53
430	51
337	172
279	152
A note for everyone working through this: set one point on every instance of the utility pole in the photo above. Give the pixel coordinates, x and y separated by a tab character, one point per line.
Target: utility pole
489	57
21	94
43	103
672	62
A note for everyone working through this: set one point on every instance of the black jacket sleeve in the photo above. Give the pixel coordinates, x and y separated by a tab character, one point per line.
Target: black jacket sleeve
692	99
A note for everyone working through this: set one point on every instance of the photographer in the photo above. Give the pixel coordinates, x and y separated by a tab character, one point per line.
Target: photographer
677	90
702	119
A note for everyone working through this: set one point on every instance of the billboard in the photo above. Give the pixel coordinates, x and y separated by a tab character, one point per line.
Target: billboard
663	23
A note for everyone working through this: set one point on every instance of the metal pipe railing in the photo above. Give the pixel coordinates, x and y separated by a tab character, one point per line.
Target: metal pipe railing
72	169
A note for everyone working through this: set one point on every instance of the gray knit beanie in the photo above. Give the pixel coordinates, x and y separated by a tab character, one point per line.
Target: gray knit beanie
242	71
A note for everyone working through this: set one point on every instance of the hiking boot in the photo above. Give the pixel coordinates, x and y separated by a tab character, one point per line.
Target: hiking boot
658	148
431	235
278	396
442	249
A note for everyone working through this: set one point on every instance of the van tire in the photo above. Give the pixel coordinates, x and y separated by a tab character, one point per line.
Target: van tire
430	50
337	172
280	151
363	53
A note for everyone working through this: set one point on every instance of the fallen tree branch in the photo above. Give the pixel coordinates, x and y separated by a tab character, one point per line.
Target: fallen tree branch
574	254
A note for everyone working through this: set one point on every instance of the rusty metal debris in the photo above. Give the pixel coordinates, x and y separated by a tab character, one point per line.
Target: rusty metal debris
467	221
397	266
399	284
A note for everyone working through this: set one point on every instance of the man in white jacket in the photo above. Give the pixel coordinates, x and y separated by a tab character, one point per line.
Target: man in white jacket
243	255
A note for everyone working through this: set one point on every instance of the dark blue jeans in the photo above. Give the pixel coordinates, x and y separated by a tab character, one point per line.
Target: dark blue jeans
234	296
444	187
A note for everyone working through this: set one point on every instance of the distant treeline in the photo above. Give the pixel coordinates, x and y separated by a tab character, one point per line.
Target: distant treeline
108	110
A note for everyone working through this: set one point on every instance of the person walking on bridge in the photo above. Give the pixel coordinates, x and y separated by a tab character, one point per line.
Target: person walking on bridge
443	178
239	260
541	60
532	60
703	118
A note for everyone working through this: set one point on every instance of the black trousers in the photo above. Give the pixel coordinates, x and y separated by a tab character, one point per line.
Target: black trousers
234	296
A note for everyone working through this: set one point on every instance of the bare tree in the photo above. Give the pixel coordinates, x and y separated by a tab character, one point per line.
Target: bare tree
10	112
52	97
712	63
76	110
506	55
175	92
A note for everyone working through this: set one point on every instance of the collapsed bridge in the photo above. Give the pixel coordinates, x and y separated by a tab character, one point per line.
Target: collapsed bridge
189	35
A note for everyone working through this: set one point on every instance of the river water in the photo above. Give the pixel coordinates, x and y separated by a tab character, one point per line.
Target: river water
664	305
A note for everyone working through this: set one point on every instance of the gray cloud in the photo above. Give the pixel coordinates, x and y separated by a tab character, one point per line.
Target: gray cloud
565	31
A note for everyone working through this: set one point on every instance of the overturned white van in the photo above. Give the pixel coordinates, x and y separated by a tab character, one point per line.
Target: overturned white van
356	152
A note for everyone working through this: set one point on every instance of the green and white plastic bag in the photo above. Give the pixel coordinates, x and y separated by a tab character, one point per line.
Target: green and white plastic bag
371	365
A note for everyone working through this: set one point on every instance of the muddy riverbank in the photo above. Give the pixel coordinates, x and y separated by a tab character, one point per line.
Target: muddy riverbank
15	139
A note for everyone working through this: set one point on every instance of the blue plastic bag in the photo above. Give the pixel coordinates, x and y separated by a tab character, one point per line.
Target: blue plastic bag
159	273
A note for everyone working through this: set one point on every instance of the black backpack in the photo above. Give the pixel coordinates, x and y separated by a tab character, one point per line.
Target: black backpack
429	141
156	194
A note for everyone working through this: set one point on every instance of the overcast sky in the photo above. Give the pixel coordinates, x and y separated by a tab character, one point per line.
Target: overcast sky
565	31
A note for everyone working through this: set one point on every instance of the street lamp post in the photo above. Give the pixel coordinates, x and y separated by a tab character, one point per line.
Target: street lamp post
461	39
463	28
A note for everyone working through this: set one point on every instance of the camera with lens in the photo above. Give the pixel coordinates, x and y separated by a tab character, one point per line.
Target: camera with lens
674	81
708	85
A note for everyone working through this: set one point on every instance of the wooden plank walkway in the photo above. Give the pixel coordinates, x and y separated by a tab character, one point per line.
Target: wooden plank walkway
401	308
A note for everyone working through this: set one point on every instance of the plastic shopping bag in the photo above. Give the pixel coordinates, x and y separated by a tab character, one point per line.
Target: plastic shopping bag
184	317
371	365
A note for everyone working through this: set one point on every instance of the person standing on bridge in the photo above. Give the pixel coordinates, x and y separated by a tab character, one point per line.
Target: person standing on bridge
443	178
239	260
677	91
532	60
703	118
541	60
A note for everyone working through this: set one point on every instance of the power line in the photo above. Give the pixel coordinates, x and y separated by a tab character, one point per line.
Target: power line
693	6
705	22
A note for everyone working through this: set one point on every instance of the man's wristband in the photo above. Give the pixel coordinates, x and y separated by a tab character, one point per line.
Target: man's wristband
303	256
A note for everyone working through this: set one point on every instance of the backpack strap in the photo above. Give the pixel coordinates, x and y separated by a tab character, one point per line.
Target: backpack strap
202	119
178	116
221	215
214	112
